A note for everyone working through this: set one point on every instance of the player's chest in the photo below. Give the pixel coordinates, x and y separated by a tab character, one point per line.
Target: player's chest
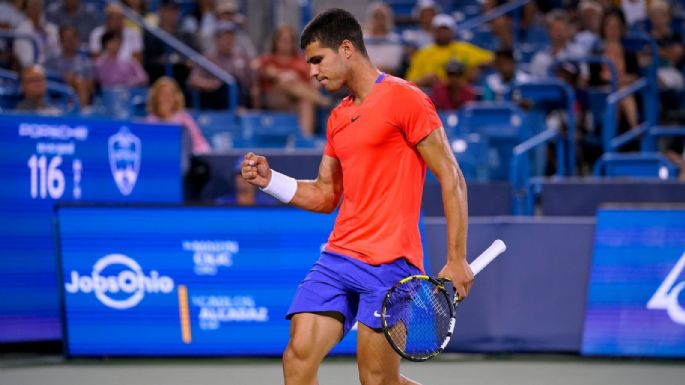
365	130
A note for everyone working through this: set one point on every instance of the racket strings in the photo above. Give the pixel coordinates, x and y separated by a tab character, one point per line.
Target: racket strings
422	314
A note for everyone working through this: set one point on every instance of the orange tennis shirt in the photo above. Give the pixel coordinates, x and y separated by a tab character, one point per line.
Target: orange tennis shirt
382	172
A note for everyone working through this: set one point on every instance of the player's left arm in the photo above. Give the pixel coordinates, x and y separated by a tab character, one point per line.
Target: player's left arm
436	152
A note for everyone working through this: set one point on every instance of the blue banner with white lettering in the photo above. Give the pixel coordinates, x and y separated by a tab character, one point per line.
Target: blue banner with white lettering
185	280
636	301
46	160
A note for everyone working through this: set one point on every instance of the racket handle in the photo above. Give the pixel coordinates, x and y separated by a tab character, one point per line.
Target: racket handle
488	256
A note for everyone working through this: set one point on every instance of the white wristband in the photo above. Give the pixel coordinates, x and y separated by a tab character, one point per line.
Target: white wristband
281	187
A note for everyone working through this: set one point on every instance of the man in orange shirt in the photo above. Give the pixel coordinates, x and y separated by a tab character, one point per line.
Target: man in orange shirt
379	141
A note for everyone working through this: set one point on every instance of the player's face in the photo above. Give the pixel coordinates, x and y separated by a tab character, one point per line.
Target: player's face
326	66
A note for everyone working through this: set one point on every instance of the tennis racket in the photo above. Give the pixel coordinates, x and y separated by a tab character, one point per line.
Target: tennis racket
418	312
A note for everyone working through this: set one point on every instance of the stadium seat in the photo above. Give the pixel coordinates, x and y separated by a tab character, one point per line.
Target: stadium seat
221	129
471	151
635	165
269	129
502	124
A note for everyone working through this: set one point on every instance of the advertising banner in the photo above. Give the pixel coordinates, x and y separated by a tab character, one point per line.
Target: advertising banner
184	281
636	301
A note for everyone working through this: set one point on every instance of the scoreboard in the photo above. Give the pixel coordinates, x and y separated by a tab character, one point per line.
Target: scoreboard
46	160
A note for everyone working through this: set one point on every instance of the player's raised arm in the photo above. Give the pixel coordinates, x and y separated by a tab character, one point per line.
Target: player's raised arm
435	150
319	195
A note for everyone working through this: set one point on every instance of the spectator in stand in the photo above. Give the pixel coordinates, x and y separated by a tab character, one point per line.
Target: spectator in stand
213	92
83	17
427	66
46	34
10	17
676	154
590	20
227	11
671	59
74	68
498	85
284	81
166	104
635	11
382	44
200	21
560	47
112	71
140	8
132	43
245	194
423	35
626	64
34	87
11	13
456	91
155	54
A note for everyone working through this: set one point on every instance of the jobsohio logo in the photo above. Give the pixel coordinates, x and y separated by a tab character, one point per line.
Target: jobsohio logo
119	282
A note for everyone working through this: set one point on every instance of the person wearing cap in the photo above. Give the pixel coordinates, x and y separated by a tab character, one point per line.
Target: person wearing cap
427	66
498	85
423	14
213	92
226	11
456	91
131	40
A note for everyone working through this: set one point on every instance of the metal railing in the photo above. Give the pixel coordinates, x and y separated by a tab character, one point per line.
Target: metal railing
648	86
188	52
23	36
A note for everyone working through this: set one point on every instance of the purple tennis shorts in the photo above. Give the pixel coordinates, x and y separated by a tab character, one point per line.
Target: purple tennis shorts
348	286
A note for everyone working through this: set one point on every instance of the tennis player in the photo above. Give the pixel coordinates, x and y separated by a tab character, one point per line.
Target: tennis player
379	141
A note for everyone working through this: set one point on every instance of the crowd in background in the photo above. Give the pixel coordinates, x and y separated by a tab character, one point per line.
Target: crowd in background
92	50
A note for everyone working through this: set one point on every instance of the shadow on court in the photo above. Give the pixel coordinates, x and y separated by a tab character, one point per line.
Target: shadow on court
448	369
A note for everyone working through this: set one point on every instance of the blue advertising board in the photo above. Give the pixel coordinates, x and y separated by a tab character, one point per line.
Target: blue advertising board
636	301
184	280
50	159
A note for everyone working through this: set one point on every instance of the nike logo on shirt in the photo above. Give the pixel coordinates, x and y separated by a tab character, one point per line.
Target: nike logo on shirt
354	118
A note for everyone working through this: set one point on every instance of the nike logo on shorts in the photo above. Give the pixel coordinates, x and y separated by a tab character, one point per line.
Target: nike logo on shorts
378	315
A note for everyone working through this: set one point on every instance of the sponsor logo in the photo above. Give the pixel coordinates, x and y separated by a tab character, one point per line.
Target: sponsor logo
666	296
209	256
124	159
118	282
215	309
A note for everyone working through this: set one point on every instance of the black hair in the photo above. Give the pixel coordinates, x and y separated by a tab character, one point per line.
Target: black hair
107	36
332	27
505	53
613	12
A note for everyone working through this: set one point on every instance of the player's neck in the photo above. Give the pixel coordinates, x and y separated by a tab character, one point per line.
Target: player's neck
362	80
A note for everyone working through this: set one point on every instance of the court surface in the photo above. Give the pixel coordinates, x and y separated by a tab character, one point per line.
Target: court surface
449	369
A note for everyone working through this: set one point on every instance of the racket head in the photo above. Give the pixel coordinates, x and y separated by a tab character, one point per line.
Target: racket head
418	316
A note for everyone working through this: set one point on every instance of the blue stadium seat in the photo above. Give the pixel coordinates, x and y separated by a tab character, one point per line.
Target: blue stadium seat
450	121
123	103
502	124
221	128
269	129
635	165
471	151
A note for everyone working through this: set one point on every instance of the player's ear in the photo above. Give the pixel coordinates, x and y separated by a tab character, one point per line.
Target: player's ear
346	48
